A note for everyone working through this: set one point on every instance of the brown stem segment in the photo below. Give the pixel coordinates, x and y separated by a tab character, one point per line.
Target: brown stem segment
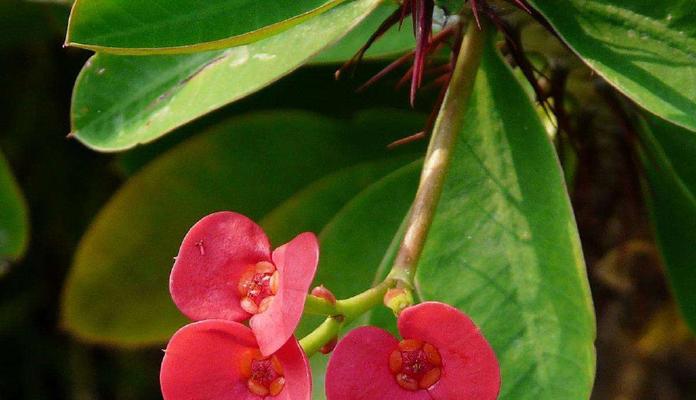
448	125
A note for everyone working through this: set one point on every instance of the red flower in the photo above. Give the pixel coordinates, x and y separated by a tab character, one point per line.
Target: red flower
225	270
220	360
443	357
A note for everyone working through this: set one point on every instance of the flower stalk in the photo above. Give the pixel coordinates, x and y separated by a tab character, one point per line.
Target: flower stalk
437	160
448	125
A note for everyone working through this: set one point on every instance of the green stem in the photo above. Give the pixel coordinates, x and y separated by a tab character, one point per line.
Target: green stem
319	337
356	306
347	311
437	159
319	306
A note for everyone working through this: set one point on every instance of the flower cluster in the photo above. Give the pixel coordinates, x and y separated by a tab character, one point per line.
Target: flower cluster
226	274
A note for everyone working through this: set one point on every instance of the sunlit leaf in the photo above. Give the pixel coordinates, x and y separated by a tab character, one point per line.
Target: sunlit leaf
504	247
183	26
119	102
646	49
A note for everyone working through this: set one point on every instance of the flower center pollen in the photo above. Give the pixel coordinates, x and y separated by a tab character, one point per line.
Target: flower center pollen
264	374
415	364
257	287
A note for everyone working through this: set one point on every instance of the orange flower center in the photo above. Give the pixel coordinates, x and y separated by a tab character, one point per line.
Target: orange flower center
415	364
258	286
264	375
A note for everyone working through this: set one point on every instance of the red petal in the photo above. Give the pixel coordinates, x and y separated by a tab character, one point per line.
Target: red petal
296	262
202	362
470	369
359	368
298	378
213	255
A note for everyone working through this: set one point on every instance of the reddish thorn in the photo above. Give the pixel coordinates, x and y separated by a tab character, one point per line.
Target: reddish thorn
475	11
408	139
405	78
521	4
394	65
405	11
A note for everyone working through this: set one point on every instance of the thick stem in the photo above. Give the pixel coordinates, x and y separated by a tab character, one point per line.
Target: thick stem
319	337
356	306
448	125
318	306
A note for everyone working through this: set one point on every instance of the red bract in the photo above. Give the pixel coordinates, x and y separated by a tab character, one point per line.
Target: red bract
225	270
443	357
220	360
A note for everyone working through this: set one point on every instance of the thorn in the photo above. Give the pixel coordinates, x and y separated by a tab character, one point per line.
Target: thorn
404	78
70	135
405	11
423	22
521	4
408	139
389	68
391	20
475	11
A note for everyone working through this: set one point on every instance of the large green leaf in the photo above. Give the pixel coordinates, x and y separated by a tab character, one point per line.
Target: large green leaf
292	171
646	49
504	246
182	26
671	176
14	225
120	102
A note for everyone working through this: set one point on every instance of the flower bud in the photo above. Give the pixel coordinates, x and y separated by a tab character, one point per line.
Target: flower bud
324	293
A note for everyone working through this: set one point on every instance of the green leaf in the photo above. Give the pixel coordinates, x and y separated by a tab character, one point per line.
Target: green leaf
645	49
292	171
671	177
183	26
14	224
120	102
504	246
393	43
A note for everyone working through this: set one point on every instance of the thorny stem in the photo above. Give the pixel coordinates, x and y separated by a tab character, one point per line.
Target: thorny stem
438	156
437	159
